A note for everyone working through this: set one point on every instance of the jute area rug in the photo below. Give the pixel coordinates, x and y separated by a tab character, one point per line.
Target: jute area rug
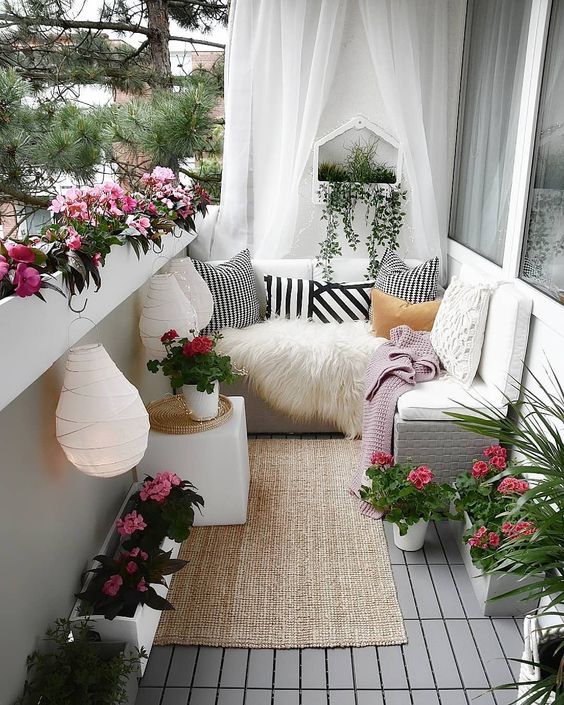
306	570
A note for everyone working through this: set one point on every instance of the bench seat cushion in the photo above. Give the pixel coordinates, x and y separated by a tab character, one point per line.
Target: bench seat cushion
429	401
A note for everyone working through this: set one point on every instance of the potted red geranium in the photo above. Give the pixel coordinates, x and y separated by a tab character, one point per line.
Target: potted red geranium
490	498
409	497
195	367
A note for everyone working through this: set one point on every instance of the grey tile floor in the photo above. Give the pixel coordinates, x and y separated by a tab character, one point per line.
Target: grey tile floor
454	654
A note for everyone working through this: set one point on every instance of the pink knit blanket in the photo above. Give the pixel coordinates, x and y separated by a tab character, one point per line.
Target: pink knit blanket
396	366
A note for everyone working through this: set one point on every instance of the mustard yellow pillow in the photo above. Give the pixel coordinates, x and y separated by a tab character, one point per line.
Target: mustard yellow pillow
389	312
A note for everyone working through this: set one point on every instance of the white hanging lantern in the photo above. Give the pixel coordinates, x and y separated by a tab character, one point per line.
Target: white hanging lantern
102	424
194	288
165	308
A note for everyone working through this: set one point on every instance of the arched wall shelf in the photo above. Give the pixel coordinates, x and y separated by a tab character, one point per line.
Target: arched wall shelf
335	143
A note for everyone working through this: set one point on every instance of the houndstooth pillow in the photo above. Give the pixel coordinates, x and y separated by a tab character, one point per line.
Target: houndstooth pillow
412	284
235	298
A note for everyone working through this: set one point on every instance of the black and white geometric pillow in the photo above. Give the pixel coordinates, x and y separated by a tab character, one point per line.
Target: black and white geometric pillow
235	298
320	301
412	284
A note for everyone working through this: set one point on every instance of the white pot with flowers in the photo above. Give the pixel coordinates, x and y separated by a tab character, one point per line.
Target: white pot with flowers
195	368
408	496
489	499
125	592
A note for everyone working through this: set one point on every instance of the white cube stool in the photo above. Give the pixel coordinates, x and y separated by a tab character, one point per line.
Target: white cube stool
216	462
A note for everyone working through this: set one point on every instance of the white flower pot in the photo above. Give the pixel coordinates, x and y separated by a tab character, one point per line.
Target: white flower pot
414	539
138	630
202	406
486	586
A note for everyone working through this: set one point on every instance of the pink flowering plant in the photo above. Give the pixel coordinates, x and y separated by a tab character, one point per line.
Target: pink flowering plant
88	222
490	494
193	361
406	493
119	584
166	506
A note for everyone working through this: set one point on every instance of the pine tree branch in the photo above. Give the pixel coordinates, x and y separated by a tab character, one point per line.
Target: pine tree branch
216	178
91	24
25	198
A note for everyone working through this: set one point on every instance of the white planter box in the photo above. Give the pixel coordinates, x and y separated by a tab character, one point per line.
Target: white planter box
24	322
538	628
138	630
488	586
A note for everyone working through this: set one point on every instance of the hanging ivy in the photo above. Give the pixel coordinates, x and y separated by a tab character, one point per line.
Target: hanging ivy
361	180
384	217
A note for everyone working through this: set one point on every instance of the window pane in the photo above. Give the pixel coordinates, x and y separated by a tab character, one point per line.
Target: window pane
496	36
543	254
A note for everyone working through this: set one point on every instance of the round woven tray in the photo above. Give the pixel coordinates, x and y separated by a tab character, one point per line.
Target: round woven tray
171	415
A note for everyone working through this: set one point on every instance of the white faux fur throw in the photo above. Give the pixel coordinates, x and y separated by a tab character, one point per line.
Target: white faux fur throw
306	369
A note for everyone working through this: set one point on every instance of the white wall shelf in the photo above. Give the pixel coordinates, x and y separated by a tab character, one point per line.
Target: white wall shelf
34	334
340	137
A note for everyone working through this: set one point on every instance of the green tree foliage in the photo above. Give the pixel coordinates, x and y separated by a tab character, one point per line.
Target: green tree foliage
50	49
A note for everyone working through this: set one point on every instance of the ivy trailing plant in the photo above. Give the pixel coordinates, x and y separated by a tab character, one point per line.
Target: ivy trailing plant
360	180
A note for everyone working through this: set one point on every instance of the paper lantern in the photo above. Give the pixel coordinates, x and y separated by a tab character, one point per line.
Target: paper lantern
102	424
194	288
165	308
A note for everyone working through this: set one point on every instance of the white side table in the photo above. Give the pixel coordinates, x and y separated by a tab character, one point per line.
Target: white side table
216	462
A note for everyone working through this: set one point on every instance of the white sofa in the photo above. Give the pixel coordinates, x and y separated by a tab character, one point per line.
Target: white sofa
422	430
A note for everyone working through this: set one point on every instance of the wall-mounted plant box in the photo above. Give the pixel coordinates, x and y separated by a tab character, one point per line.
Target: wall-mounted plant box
138	630
334	145
34	334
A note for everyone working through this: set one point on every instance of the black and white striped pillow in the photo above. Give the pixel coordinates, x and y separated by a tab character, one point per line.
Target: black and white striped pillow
320	301
235	298
412	284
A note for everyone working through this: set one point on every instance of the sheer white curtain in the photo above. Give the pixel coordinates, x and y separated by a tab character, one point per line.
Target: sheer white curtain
408	44
494	79
282	57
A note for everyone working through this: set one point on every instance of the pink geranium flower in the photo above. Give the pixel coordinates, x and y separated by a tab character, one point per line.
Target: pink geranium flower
169	477
138	552
499	462
156	490
26	280
19	252
97	259
383	459
163	173
493	451
111	587
512	485
518	530
142	585
132	567
480	469
169	336
131	523
420	477
128	204
73	242
4	267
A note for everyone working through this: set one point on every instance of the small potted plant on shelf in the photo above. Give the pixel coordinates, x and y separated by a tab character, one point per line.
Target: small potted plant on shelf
409	497
195	367
79	669
488	497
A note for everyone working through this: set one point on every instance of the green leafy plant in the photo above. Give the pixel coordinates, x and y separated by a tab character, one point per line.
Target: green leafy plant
406	493
166	506
193	362
79	670
533	428
360	181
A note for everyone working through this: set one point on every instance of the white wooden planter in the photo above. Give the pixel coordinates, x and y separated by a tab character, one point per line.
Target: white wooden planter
24	322
538	628
138	630
490	585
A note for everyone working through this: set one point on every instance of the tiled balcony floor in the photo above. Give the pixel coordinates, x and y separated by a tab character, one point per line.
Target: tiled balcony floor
454	654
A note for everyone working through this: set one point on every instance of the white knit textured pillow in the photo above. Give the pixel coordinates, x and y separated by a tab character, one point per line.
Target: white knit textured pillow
458	331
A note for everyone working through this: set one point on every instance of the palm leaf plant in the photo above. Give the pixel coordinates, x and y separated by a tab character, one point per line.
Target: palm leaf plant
532	427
